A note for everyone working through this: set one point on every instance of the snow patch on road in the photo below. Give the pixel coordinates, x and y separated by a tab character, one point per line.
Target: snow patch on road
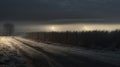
111	57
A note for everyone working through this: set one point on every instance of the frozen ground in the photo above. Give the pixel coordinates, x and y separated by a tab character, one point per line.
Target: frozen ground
9	56
112	57
20	52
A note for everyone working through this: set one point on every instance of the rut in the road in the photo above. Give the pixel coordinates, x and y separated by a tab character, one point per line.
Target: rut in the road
37	57
63	58
9	56
22	52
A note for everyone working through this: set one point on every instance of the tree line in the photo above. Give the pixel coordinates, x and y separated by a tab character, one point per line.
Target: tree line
88	39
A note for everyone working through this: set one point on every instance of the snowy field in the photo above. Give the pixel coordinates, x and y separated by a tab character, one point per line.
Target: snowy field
9	55
112	57
21	52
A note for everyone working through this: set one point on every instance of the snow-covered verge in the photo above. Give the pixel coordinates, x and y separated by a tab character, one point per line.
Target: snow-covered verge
9	57
112	57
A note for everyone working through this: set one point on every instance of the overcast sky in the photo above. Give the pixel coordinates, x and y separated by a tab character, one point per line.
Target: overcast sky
59	11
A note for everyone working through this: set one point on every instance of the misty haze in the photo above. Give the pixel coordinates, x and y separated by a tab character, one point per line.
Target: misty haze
59	33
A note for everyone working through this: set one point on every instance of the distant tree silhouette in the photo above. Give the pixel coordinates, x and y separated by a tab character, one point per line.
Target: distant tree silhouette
8	29
87	39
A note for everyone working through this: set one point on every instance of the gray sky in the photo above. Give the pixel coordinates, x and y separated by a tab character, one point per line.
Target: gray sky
40	12
31	10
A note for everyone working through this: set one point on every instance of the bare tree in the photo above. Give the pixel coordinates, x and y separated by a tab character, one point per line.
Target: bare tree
8	29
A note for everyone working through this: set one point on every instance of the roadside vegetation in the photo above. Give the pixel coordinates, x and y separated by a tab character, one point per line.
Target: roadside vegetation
87	39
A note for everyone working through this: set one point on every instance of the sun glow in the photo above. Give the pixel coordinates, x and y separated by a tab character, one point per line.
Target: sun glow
87	28
73	27
53	28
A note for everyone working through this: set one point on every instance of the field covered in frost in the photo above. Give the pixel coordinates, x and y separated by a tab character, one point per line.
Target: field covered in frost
9	55
21	52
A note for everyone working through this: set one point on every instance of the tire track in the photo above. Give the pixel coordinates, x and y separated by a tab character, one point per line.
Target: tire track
37	59
67	59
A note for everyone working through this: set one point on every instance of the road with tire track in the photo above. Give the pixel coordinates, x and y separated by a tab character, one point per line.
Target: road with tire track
21	52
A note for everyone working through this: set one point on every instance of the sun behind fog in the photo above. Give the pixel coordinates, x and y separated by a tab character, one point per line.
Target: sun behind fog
53	28
86	28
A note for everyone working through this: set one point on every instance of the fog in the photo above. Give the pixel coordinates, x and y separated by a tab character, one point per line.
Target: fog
67	27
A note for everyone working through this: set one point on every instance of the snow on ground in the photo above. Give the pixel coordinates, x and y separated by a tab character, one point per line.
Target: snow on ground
9	56
112	57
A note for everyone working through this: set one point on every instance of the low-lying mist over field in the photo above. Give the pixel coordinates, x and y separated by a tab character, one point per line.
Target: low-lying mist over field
64	25
68	27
